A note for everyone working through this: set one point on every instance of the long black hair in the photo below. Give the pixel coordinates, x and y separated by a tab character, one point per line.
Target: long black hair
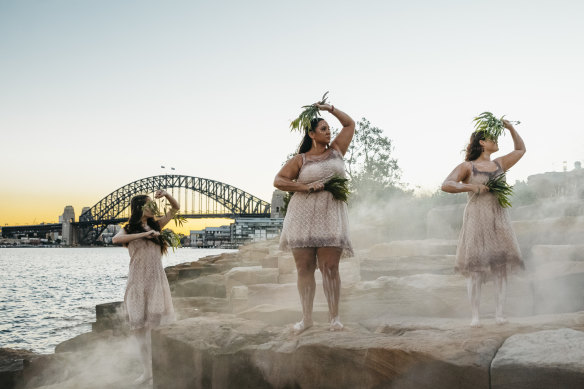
306	143
474	148
134	225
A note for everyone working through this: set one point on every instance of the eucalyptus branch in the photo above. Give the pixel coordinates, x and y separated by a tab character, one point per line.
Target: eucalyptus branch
302	122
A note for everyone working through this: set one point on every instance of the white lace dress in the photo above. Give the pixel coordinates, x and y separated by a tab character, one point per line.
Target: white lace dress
317	219
147	299
487	243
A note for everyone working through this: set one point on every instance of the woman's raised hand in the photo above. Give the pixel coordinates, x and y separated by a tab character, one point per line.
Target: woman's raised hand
159	193
323	107
507	124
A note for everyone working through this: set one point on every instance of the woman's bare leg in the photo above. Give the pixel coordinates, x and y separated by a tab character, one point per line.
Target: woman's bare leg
328	263
474	284
305	259
142	336
500	296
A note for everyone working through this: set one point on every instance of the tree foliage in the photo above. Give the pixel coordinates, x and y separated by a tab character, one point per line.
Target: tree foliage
369	161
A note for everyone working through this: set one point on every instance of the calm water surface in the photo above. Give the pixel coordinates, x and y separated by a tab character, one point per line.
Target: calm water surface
48	295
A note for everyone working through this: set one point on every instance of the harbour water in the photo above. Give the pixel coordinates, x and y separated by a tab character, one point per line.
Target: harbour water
48	295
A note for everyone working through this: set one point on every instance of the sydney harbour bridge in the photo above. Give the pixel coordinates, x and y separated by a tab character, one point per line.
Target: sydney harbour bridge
198	198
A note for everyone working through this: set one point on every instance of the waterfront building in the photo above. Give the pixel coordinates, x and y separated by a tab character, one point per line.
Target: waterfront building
241	231
246	230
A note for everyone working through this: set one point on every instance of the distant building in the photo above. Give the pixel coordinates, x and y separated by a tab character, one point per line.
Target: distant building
197	238
246	230
66	219
242	231
109	232
211	237
277	207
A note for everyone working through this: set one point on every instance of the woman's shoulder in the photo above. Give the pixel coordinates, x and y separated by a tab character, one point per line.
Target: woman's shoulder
466	165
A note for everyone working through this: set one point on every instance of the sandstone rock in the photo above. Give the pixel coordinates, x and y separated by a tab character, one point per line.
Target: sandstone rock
561	230
42	370
289	278
286	264
560	290
171	274
543	359
250	275
239	293
210	286
110	316
80	341
224	351
371	269
196	270
238	298
254	252
195	306
270	261
279	294
284	315
430	295
409	248
11	366
542	254
99	365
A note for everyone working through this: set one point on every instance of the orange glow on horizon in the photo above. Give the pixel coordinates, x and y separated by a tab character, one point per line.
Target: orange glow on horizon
30	209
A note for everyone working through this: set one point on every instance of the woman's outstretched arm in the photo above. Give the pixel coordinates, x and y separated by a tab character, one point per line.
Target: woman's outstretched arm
454	182
507	161
285	179
123	237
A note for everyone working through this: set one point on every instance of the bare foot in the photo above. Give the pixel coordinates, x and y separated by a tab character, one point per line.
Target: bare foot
145	377
336	324
302	326
501	320
475	323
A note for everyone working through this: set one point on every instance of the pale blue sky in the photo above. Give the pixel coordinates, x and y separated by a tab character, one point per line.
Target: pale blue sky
96	94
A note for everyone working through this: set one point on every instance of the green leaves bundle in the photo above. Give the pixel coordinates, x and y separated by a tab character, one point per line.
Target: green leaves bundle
491	126
499	187
171	238
302	122
339	187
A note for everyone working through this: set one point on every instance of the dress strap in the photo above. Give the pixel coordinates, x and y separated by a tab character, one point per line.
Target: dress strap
497	163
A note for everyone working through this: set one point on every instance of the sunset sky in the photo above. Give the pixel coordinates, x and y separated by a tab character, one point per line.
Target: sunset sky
94	95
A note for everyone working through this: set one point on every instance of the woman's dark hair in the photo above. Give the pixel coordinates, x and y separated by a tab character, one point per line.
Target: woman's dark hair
134	224
306	144
474	148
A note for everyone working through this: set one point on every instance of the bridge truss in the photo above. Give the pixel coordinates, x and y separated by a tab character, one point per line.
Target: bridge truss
208	199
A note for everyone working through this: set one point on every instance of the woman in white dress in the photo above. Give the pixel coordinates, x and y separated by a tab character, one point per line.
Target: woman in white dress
487	247
147	299
316	226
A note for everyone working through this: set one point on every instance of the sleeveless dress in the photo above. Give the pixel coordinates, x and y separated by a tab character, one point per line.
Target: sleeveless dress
147	299
487	243
317	219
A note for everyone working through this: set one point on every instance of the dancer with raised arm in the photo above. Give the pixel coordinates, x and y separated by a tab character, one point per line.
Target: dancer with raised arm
316	225
487	247
147	298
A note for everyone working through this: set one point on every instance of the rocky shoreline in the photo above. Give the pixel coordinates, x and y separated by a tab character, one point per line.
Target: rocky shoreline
405	312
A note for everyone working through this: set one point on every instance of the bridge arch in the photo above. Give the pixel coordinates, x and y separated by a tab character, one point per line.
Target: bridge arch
107	211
